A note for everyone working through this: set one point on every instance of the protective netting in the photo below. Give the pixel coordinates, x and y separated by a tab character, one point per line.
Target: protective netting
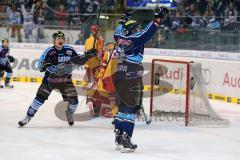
179	89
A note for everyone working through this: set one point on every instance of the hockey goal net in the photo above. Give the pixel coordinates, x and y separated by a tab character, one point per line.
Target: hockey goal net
177	88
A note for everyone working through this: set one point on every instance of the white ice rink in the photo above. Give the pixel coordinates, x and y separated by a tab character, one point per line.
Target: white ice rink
47	137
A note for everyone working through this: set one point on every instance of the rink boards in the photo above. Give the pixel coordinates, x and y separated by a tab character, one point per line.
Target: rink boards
221	70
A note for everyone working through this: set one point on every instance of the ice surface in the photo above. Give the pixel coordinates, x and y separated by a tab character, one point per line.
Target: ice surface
46	137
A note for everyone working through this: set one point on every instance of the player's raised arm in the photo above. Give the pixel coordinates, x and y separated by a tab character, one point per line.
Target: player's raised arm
128	29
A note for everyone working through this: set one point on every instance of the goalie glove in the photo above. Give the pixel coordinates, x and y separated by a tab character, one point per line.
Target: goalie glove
162	13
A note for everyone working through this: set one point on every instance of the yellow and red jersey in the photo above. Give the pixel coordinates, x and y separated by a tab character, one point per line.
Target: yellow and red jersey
95	61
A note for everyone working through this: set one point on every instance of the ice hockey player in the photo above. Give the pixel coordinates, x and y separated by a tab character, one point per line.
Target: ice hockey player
56	62
128	77
5	66
104	93
92	66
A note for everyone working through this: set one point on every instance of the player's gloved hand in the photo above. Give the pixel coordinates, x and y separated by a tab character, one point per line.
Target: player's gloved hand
51	68
125	17
162	13
11	59
91	53
45	65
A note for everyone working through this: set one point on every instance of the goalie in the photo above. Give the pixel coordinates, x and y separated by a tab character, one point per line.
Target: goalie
104	92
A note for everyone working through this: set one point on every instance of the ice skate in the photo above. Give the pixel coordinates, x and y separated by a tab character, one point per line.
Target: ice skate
24	121
1	86
9	85
118	140
128	146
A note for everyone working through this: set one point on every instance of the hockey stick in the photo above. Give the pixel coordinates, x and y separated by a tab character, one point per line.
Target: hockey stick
148	121
98	17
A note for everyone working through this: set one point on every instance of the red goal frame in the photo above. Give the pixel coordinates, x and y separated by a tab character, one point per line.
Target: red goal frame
187	113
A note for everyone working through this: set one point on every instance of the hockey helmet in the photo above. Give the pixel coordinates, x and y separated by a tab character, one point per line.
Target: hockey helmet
94	29
5	39
130	26
58	34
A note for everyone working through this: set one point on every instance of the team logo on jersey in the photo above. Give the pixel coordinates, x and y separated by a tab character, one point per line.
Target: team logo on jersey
124	42
63	59
68	52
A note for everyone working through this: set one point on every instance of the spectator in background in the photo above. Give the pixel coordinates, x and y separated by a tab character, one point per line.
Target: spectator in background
176	22
180	6
72	4
61	15
39	4
201	22
14	21
202	6
28	22
219	6
89	7
39	19
230	18
238	9
75	19
213	23
80	40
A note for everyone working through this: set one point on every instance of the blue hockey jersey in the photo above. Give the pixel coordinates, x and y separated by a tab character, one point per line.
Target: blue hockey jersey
133	45
52	57
4	52
131	50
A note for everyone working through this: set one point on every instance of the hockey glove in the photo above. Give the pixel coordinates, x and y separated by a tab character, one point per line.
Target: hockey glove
11	59
162	13
45	65
91	53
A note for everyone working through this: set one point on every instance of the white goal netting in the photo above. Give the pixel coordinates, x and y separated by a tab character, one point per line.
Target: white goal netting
179	89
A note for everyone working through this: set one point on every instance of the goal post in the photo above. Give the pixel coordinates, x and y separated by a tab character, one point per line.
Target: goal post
177	87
